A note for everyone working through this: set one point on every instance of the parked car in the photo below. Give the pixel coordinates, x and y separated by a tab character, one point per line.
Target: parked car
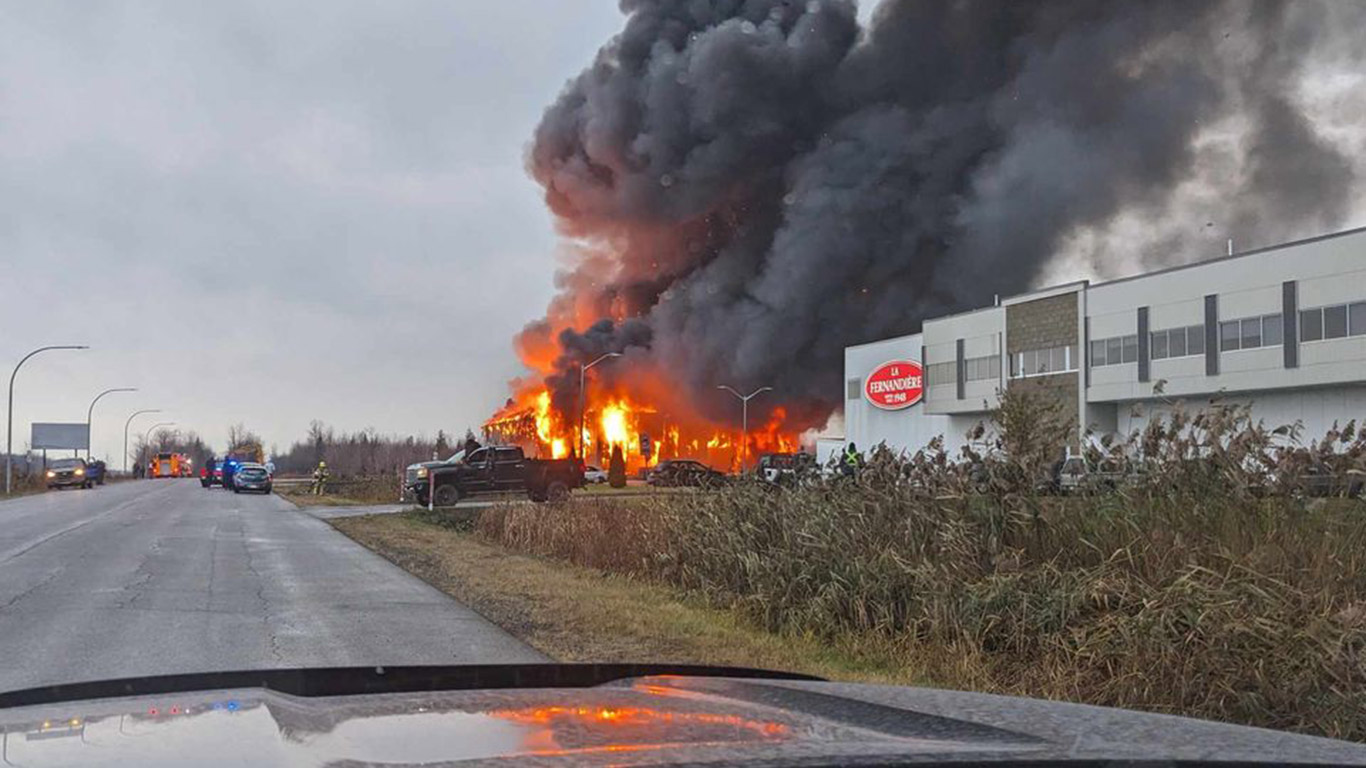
96	471
499	469
1077	475
686	472
252	477
1319	481
68	473
594	475
786	468
211	474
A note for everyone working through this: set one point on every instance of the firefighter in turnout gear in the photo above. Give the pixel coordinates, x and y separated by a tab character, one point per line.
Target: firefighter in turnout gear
320	479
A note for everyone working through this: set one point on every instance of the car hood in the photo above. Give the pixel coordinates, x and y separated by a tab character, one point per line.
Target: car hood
651	720
427	464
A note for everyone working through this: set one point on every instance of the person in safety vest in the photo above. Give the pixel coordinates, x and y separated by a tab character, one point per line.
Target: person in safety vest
852	461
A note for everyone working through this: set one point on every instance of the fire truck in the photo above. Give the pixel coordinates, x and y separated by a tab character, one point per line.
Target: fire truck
170	465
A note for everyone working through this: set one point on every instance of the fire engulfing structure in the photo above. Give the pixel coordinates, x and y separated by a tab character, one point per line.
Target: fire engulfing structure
745	187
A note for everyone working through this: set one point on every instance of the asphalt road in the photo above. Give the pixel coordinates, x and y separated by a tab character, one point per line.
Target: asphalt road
163	577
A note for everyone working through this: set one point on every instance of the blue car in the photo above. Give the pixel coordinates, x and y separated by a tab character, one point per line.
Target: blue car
95	471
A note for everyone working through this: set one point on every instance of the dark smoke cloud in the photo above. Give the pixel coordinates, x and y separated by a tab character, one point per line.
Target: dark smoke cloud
757	184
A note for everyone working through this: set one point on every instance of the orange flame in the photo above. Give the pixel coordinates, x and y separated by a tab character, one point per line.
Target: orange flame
620	418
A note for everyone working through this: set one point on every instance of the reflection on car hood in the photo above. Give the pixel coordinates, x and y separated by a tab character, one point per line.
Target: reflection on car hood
643	721
427	464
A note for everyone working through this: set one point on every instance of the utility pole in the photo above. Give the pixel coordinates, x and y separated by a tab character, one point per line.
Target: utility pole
744	416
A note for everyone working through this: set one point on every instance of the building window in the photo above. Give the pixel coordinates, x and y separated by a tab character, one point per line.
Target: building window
942	374
1178	342
1228	336
1273	334
1356	319
1311	324
1251	333
1160	348
985	368
1041	362
1114	351
1333	322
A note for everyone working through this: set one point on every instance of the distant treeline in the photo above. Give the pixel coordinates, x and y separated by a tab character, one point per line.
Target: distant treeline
364	453
170	441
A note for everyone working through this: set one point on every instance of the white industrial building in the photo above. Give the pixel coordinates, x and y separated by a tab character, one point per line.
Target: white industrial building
1281	328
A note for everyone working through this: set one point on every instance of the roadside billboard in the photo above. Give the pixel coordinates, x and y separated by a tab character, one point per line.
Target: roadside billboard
60	437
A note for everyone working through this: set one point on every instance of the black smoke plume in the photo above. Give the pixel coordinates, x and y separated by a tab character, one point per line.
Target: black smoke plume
753	185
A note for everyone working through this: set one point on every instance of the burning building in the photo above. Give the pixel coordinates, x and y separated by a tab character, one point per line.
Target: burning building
746	189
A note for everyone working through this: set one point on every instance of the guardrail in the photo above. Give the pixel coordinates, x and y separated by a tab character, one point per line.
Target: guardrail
331	482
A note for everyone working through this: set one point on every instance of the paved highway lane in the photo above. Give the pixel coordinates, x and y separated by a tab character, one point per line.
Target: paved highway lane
162	577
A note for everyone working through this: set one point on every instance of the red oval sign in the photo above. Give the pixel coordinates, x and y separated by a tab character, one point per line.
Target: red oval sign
895	385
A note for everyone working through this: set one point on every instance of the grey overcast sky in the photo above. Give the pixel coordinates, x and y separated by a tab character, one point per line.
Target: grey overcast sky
272	211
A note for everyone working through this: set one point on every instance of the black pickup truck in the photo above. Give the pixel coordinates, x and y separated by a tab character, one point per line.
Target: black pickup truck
497	469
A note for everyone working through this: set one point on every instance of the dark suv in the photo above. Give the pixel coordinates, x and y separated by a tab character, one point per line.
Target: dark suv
68	473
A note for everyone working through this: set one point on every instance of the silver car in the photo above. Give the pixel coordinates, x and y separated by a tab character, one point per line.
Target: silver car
252	477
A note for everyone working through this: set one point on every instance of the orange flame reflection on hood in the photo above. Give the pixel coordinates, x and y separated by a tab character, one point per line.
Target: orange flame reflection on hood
628	728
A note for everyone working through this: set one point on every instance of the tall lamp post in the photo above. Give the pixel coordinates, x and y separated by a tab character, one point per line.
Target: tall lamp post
744	411
583	369
91	412
9	421
147	438
125	434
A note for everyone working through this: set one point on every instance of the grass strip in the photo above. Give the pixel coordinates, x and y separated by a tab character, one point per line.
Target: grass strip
572	613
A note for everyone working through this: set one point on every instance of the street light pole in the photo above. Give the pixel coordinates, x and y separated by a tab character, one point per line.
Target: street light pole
125	434
583	369
9	420
147	438
744	418
91	412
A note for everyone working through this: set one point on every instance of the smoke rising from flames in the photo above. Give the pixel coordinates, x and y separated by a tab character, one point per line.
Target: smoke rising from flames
749	187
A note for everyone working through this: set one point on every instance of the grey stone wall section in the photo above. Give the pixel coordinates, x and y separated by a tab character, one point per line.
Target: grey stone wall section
1045	324
1062	387
1042	324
